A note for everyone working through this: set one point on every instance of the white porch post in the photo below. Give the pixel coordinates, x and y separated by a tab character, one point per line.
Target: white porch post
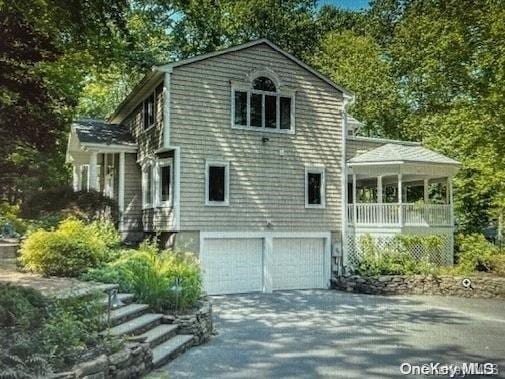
426	194
448	190
120	195
379	189
76	170
400	200
450	199
354	200
92	170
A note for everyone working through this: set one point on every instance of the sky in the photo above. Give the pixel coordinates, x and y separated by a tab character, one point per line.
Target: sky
347	4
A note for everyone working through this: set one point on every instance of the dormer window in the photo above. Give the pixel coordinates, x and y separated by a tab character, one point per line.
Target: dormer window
262	105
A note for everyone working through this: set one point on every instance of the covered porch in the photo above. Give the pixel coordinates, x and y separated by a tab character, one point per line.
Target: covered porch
400	186
97	152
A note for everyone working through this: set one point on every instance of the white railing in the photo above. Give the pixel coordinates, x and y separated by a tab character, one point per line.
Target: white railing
396	214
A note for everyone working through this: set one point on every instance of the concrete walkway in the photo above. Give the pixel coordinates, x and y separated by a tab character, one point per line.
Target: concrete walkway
329	334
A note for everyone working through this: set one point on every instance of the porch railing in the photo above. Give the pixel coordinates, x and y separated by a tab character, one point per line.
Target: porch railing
395	214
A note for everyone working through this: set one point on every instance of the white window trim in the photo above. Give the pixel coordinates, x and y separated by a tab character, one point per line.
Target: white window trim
226	165
315	170
168	162
239	87
143	129
147	166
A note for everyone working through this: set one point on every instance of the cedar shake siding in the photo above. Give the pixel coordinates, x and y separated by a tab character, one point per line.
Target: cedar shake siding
150	140
356	147
267	179
132	215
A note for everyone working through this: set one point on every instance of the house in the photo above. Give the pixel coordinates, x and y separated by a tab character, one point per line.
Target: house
246	156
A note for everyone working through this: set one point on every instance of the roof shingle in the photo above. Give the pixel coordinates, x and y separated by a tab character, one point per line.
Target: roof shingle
391	152
101	132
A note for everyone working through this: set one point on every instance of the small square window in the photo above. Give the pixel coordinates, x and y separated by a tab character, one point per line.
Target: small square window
314	188
217	183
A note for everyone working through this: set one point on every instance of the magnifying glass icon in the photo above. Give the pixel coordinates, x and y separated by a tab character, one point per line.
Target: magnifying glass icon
467	283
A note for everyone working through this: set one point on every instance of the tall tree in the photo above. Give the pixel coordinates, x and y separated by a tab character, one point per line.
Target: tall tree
45	47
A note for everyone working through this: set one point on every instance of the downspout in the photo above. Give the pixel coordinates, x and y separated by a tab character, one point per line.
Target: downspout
348	101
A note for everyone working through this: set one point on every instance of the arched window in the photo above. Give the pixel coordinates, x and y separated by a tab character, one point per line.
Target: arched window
262	83
262	105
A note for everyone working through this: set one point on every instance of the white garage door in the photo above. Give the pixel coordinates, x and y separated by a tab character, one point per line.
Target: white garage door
298	263
232	265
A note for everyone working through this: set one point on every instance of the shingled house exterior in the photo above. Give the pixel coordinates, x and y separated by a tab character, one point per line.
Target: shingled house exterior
246	156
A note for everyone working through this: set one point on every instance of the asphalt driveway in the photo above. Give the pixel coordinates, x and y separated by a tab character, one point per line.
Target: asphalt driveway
306	334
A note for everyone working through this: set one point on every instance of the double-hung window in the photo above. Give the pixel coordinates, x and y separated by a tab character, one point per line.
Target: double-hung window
165	180
262	106
147	185
149	111
315	184
217	183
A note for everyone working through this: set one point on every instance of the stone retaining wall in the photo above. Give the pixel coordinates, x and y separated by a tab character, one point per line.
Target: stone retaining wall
483	286
197	322
134	360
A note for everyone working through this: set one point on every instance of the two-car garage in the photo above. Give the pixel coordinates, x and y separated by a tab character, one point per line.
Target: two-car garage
251	262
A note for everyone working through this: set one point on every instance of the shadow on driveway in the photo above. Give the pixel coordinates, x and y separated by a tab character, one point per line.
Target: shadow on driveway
335	334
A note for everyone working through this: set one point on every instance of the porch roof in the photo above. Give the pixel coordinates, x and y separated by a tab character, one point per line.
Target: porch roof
99	132
392	153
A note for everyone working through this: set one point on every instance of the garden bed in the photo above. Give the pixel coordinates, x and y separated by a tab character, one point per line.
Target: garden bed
480	286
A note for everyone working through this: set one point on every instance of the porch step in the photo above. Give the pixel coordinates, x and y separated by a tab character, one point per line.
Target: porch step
170	349
127	312
137	325
8	250
160	334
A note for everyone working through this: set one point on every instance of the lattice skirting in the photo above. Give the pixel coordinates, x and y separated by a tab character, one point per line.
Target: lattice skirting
384	242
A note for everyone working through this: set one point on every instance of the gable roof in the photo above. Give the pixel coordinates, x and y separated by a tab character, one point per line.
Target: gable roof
401	153
100	132
247	45
156	72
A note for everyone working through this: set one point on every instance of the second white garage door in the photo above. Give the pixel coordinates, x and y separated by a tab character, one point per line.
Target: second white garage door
298	263
238	265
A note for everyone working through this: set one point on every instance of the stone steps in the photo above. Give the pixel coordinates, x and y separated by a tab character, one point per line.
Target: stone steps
160	334
8	250
170	349
132	319
127	312
137	325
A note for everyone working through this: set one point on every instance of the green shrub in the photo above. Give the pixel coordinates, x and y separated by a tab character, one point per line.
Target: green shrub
71	329
109	273
397	258
40	334
21	307
64	202
151	275
497	264
9	214
473	253
69	250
